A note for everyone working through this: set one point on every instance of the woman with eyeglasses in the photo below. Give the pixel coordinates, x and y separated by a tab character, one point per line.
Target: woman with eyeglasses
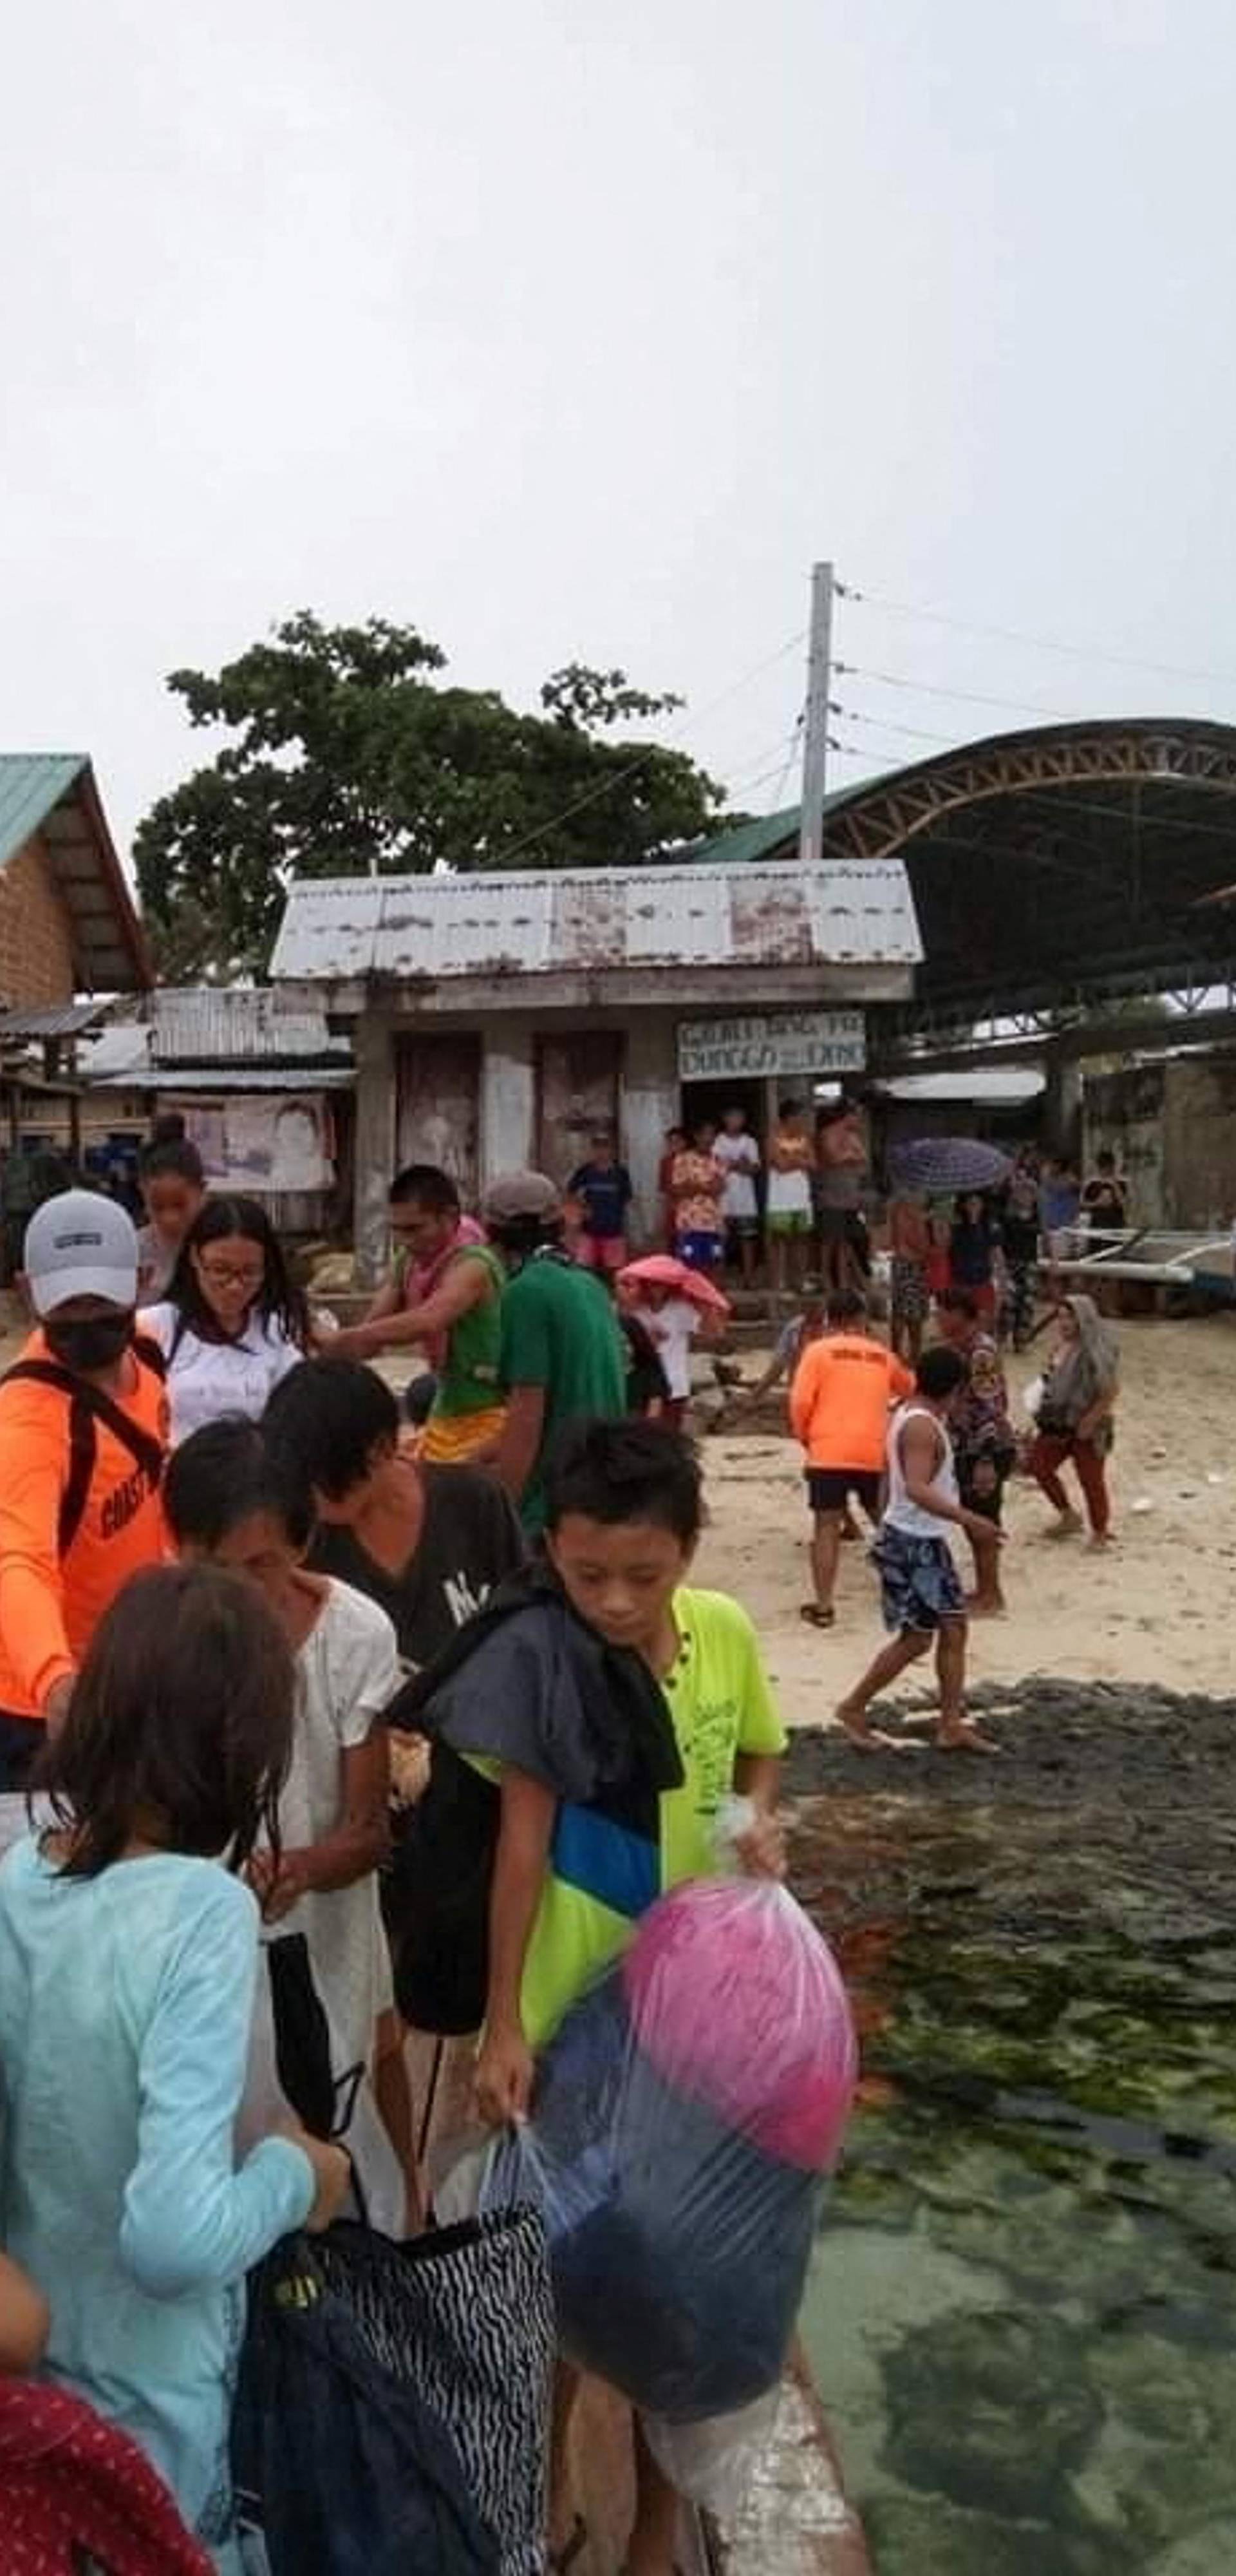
233	1323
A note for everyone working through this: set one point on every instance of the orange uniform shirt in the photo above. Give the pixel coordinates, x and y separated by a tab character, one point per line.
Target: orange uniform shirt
843	1387
49	1605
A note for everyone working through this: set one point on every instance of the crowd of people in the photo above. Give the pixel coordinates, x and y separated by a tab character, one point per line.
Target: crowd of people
387	1662
233	1576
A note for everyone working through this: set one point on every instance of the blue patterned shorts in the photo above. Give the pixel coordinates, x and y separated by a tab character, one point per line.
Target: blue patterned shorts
918	1581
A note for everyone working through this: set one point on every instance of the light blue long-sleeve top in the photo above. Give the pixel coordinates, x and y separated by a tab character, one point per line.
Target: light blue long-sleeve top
125	2010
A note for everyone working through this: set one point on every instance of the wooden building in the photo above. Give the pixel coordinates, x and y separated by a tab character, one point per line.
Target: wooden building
68	928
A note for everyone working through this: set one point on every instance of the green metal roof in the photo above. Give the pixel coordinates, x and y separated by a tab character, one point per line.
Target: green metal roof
756	840
31	783
54	794
772	835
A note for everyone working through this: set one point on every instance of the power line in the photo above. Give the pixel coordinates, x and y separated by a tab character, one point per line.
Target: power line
632	768
886	724
963	697
1038	643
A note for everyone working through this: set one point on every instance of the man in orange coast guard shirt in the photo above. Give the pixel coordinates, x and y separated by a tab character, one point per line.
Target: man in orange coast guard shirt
839	1404
83	1436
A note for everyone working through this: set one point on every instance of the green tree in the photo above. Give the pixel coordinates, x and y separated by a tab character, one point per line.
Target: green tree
349	753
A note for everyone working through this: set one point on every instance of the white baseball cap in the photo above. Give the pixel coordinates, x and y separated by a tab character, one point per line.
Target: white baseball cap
80	1244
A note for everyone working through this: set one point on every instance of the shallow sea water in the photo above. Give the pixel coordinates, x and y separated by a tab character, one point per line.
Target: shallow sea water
1022	2318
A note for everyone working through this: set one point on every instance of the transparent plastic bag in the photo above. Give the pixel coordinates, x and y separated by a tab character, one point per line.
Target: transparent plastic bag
686	2117
713	2463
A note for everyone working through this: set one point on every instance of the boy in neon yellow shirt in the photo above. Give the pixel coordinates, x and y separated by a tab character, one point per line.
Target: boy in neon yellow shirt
571	1877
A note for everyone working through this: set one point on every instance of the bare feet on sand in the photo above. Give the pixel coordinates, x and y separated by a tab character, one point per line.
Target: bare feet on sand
961	1735
871	1739
1065	1525
986	1605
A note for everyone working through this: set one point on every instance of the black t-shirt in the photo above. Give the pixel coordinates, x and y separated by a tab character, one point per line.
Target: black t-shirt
1105	1198
471	1538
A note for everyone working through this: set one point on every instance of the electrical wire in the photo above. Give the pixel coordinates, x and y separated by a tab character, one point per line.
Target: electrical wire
963	697
886	724
1037	643
631	768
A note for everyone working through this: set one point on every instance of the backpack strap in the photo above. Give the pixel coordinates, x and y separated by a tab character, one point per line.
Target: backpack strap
88	1406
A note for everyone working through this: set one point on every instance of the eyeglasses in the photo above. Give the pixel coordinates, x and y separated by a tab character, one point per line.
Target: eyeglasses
217	1275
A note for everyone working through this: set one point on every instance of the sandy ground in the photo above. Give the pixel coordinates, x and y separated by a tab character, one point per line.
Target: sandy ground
1158	1606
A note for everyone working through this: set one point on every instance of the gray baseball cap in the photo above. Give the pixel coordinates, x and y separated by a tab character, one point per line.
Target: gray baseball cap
516	1194
80	1245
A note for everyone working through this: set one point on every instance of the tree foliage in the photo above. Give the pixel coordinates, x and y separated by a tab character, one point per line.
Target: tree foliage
349	752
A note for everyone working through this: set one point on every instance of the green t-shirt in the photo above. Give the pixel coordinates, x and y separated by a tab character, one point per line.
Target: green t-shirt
559	1333
468	1378
722	1706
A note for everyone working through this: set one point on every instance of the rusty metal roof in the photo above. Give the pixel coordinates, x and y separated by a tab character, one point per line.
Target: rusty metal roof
54	795
337	929
59	1020
197	1024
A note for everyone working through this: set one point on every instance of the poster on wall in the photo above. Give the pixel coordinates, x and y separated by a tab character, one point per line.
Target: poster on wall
263	1142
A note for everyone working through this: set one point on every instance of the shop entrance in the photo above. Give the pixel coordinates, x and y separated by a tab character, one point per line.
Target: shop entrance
712	1099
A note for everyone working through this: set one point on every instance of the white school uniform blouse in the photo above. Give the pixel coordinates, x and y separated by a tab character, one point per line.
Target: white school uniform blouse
206	1380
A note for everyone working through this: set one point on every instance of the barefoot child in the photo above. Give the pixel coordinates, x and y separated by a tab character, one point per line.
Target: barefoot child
922	1593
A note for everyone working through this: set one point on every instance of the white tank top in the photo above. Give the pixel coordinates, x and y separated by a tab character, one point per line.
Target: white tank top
900	1513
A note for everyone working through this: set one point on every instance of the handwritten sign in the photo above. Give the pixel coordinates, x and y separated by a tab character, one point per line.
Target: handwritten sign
776	1042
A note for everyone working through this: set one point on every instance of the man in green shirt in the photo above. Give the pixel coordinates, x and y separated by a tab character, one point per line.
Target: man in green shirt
445	1293
561	1357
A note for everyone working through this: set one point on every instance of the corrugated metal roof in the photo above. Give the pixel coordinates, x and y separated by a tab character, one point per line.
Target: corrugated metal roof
55	794
337	929
222	1079
63	1020
31	782
197	1024
768	833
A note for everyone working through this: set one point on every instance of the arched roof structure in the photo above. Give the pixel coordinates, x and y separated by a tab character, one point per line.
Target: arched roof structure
1068	865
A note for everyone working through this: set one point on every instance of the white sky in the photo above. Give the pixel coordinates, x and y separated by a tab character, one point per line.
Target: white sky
568	330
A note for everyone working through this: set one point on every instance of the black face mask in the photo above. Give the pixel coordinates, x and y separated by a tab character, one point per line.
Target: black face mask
96	1342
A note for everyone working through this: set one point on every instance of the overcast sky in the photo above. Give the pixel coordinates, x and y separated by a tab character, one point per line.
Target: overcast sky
579	327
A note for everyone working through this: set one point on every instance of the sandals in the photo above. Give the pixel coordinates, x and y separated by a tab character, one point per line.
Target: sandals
815	1617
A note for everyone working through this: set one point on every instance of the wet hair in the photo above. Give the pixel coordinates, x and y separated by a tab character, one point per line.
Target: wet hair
618	1472
790	1109
674	1131
278	1300
425	1186
180	1723
846	1306
324	1423
958	1301
222	1475
940	1372
1105	1160
172	1158
168	1128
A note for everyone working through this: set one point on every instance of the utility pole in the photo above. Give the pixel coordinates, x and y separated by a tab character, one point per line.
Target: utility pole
815	731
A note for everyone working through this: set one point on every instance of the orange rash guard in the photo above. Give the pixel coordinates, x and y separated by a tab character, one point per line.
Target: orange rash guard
843	1387
49	1605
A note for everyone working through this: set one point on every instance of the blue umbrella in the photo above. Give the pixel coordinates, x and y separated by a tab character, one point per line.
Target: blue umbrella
949	1163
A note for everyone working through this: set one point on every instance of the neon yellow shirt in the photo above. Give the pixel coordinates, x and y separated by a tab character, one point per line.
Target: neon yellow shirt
721	1705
